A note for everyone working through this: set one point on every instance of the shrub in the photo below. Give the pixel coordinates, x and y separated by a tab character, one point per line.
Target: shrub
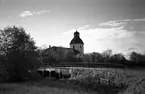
3	74
135	86
95	76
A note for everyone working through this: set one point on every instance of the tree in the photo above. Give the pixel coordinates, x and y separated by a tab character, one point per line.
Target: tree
86	57
107	55
16	45
118	58
133	56
15	39
137	57
97	57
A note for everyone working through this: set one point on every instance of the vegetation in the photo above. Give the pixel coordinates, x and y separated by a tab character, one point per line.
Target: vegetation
104	80
18	53
60	54
42	87
137	87
137	57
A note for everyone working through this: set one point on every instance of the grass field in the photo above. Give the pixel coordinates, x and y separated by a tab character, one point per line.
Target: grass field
139	72
52	86
43	87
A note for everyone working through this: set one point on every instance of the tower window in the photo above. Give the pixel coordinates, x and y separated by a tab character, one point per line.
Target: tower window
73	46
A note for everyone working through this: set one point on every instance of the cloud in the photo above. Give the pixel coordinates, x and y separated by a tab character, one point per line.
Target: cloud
132	48
26	13
112	24
135	25
43	11
31	13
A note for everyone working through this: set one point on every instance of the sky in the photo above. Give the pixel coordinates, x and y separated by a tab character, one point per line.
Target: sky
103	24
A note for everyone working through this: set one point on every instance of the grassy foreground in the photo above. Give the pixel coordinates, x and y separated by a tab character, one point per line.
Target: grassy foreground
84	81
42	87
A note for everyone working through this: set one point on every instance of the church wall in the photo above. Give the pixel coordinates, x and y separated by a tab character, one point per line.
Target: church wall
77	47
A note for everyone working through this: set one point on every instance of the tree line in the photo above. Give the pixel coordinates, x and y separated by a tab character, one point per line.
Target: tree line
64	55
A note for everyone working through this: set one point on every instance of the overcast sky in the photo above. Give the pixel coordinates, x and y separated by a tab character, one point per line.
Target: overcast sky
103	24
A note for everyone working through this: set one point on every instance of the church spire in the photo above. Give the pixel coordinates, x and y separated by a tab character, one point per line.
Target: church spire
76	39
76	34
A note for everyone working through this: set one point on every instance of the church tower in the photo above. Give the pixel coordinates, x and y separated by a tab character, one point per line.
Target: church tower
76	43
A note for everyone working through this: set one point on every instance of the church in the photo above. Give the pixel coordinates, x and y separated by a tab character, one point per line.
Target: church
77	43
54	54
76	47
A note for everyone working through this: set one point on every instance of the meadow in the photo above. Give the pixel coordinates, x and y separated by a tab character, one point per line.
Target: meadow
84	81
45	86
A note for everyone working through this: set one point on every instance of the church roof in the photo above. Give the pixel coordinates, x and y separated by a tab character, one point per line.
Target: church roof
76	39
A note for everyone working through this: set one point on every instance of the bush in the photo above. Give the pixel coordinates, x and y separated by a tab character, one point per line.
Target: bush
3	74
18	67
135	86
98	76
33	76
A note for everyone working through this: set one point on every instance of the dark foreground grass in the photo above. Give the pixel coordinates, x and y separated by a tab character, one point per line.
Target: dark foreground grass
42	87
139	72
135	85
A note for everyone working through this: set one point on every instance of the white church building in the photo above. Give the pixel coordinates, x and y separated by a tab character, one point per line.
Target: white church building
77	43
